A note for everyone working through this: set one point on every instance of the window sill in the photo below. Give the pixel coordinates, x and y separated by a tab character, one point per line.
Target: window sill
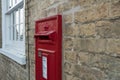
21	59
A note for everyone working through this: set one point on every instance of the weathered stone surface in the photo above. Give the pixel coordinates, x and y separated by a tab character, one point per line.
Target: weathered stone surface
10	70
113	46
86	73
70	56
93	13
51	11
87	30
108	29
68	68
68	43
115	9
68	77
102	11
64	7
85	2
83	16
92	45
103	23
83	58
70	30
80	44
68	18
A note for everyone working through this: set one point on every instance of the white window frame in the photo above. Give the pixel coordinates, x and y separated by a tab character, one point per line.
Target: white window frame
15	52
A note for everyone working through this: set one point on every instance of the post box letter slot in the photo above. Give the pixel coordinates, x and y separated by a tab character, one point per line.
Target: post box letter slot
46	36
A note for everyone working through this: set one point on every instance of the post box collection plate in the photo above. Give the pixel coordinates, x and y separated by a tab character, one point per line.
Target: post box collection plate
44	66
48	48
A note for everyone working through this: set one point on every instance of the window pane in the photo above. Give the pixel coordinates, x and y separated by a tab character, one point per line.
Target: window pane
13	2
21	15
21	32
14	18
9	4
17	32
18	1
14	25
9	32
21	24
13	28
17	17
10	25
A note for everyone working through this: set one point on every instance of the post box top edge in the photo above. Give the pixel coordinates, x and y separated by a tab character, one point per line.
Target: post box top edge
48	18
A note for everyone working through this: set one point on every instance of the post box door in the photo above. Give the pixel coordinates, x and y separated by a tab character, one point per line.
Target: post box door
48	48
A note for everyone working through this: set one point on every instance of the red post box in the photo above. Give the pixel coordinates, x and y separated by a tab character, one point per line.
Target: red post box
48	48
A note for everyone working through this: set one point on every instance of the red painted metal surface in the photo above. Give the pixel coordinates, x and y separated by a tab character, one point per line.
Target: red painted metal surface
48	48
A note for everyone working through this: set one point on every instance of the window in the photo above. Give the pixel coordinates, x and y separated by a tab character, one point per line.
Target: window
13	30
16	25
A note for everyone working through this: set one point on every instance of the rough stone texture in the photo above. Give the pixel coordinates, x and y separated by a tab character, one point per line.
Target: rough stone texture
10	70
115	11
91	40
108	29
87	30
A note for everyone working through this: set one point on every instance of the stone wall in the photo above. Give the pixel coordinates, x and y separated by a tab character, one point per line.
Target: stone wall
91	40
10	70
